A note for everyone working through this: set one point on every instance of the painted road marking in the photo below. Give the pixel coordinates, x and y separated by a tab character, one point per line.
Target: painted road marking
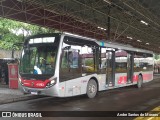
153	115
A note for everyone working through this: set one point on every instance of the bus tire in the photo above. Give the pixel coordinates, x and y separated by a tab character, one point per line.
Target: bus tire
92	88
140	81
24	93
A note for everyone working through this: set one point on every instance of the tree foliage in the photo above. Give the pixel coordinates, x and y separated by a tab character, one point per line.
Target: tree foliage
14	32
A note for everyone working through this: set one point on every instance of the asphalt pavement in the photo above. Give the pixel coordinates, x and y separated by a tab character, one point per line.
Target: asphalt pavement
123	99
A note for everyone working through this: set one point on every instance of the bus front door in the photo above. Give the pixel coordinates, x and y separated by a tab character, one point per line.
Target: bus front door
110	68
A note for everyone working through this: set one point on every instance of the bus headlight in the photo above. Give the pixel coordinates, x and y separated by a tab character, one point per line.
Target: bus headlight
51	83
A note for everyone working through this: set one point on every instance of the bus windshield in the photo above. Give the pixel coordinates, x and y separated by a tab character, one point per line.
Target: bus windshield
39	57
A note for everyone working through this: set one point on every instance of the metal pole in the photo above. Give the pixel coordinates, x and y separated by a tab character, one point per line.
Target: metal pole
109	22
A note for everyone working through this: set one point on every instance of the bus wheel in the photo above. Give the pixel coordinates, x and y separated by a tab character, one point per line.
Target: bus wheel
140	81
91	88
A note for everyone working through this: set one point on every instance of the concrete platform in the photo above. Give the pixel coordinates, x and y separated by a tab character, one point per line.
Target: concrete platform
13	95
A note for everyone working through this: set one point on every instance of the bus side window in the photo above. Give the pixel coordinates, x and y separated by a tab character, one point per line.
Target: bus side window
69	67
70	59
64	63
74	59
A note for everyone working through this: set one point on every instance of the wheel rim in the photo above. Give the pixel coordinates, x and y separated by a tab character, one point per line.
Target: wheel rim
92	88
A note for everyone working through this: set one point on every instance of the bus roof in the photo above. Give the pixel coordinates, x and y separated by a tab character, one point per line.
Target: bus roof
110	44
101	43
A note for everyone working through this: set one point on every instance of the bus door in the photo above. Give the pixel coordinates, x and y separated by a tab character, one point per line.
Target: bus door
130	67
110	68
70	69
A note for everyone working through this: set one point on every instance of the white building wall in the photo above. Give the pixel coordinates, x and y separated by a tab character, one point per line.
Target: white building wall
8	54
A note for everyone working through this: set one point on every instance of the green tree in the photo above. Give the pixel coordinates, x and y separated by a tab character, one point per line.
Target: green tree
14	32
156	56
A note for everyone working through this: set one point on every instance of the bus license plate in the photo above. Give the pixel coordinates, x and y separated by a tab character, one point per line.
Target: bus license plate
34	93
